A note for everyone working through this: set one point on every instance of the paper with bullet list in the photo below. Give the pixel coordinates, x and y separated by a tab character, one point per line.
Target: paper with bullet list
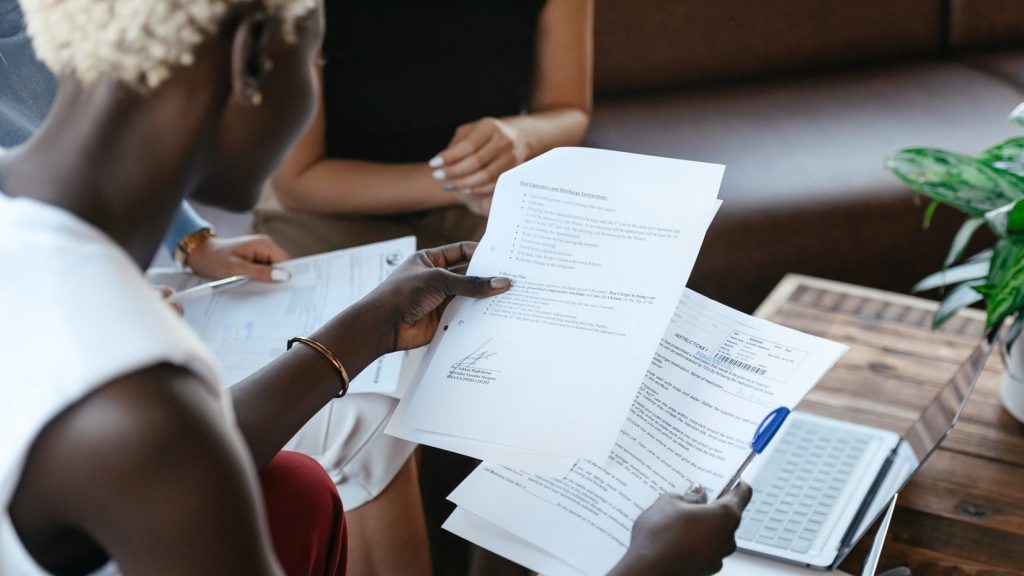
599	246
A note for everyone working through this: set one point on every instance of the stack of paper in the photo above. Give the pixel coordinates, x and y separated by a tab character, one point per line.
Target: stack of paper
247	327
596	384
716	374
599	246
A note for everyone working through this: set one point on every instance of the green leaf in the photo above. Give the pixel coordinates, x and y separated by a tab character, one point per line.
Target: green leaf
971	186
1007	156
1004	287
929	213
1006	221
985	254
962	238
960	297
1018	114
1005	256
954	275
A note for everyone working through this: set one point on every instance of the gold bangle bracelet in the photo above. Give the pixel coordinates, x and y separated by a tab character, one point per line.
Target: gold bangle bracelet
189	243
330	358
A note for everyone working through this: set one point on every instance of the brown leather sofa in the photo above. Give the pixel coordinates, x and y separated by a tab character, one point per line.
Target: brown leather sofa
803	100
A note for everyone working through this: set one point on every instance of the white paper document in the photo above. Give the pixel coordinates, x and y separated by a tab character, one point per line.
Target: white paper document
716	373
485	534
599	246
248	326
472	527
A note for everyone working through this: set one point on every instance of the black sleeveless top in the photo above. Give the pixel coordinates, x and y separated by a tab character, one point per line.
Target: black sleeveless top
401	75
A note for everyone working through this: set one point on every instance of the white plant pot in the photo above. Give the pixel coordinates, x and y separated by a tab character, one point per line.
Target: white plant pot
1012	390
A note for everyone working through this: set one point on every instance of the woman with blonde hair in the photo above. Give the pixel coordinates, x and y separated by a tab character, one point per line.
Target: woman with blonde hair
119	449
116	440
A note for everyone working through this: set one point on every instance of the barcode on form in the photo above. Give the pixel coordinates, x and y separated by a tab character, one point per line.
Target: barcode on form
740	364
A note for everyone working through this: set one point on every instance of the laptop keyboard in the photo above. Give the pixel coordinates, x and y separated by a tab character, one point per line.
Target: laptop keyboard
800	484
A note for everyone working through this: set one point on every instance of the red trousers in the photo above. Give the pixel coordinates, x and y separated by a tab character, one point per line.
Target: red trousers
307	522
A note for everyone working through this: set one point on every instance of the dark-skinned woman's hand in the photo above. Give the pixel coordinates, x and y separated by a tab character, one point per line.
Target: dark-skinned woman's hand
682	535
409	304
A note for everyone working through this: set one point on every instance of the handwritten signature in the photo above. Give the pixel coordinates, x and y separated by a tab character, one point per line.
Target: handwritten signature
479	354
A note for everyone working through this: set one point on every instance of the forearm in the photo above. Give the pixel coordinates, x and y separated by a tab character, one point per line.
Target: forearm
549	129
630	566
275	402
337	186
186	221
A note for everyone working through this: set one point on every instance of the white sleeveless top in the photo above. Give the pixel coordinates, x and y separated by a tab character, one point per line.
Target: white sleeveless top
75	313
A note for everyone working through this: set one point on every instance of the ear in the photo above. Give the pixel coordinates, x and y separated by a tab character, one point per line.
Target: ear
248	61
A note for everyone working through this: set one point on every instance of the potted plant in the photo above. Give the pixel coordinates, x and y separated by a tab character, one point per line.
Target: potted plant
989	190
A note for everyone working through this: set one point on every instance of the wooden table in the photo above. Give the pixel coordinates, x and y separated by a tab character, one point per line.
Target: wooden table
963	514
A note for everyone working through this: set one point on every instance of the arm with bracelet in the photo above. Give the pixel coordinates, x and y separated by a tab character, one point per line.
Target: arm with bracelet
186	227
193	243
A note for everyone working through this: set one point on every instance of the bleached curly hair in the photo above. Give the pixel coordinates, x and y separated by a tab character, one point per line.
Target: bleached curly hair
137	41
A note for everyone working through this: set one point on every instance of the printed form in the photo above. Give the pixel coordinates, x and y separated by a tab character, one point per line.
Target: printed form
717	372
599	246
247	327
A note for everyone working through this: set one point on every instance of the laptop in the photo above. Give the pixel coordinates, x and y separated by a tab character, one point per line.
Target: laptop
870	566
823	482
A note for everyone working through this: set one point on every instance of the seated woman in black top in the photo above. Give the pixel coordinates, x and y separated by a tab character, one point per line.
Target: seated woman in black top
423	105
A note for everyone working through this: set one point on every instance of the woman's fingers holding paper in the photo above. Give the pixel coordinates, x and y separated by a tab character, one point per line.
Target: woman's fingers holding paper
450	254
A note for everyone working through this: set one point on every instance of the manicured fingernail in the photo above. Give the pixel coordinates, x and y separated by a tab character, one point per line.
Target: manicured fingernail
279	275
695	494
466	190
499	283
436	162
438	174
449	186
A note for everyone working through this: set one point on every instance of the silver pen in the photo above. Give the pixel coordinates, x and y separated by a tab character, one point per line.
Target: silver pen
207	289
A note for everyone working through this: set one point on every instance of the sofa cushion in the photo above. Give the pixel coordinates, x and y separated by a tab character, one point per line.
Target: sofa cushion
977	24
805	189
1007	65
656	44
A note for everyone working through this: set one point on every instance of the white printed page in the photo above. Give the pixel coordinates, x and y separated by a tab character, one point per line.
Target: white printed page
599	246
716	374
537	462
485	534
247	327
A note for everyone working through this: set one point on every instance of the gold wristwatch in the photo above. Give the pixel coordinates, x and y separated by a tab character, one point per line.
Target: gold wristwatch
190	243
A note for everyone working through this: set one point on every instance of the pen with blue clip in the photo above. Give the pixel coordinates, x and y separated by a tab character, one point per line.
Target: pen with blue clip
762	437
